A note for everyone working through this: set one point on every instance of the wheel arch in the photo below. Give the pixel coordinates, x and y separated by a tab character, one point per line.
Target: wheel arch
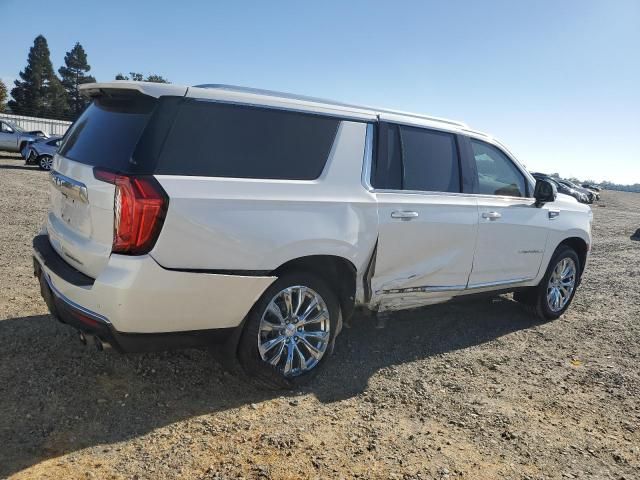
338	272
580	246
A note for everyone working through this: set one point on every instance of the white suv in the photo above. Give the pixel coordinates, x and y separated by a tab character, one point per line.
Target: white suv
182	216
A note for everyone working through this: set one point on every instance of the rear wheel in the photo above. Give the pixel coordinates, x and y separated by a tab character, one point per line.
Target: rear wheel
553	295
290	331
45	162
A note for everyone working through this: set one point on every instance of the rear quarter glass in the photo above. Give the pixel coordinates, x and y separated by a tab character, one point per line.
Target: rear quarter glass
108	131
227	140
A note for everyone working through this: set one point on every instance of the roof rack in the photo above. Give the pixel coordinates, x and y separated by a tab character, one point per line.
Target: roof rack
291	96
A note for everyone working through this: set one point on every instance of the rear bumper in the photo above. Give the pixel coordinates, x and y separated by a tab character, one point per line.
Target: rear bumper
136	305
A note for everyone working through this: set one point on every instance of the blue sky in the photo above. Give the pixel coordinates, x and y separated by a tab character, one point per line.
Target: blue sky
557	81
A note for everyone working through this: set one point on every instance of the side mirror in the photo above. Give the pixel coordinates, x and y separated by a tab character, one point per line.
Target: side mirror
544	192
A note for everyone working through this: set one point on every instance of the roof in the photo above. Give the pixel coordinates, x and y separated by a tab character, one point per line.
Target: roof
255	96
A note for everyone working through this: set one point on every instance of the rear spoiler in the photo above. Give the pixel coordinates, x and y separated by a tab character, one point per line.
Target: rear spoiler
150	89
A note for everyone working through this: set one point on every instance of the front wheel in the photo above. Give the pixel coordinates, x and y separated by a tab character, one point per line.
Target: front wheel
553	295
45	162
290	331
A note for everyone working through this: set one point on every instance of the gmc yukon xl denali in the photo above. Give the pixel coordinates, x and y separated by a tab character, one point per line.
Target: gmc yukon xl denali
185	216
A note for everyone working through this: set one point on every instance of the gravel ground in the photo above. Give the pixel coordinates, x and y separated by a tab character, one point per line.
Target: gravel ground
475	389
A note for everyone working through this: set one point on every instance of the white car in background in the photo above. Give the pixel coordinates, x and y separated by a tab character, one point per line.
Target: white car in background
263	220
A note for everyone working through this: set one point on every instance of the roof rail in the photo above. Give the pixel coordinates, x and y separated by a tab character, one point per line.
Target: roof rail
292	96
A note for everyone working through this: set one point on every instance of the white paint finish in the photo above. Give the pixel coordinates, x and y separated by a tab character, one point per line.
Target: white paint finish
512	245
434	249
81	232
138	296
256	224
240	224
574	220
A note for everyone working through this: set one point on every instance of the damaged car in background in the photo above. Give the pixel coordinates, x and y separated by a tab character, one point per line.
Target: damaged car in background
14	138
41	151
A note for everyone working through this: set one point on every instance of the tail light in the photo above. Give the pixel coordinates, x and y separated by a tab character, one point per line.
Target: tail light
140	205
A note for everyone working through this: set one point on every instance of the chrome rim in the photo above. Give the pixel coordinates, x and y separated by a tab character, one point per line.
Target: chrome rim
561	284
294	330
46	162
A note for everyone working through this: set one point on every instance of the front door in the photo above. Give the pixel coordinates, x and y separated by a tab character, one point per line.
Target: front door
427	228
8	137
512	232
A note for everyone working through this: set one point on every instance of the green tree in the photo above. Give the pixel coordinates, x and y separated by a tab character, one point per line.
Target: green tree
138	77
39	92
3	96
156	79
74	74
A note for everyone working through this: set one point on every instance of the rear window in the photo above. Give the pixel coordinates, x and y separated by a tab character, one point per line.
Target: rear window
108	131
223	140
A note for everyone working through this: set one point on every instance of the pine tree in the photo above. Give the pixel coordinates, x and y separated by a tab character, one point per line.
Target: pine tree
74	74
40	92
138	77
3	96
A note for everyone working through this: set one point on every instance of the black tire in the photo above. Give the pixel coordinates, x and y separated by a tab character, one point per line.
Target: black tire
249	356
44	162
535	298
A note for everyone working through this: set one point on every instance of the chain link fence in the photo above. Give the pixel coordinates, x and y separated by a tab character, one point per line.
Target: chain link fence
49	126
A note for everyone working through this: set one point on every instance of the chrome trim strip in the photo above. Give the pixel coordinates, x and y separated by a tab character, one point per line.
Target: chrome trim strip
69	187
500	283
427	289
449	194
71	303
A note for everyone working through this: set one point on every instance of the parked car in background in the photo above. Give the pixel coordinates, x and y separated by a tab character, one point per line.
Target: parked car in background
284	215
591	186
14	139
562	188
41	151
591	197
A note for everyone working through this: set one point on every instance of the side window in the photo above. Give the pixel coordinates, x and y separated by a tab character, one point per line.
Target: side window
497	175
5	128
410	158
387	168
430	160
235	141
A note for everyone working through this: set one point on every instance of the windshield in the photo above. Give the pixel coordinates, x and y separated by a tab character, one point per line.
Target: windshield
14	126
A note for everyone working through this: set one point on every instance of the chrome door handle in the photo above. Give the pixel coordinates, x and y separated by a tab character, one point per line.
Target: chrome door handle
491	215
404	214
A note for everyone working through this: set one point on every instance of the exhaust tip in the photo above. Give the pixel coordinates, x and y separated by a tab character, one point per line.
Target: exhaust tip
100	345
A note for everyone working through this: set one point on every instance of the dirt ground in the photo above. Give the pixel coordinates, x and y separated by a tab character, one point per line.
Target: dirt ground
476	389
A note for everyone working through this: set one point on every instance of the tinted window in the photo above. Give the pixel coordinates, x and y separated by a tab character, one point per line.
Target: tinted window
107	132
387	170
219	140
497	175
430	160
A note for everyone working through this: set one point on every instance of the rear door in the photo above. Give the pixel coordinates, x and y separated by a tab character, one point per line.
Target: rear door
80	220
427	228
512	231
